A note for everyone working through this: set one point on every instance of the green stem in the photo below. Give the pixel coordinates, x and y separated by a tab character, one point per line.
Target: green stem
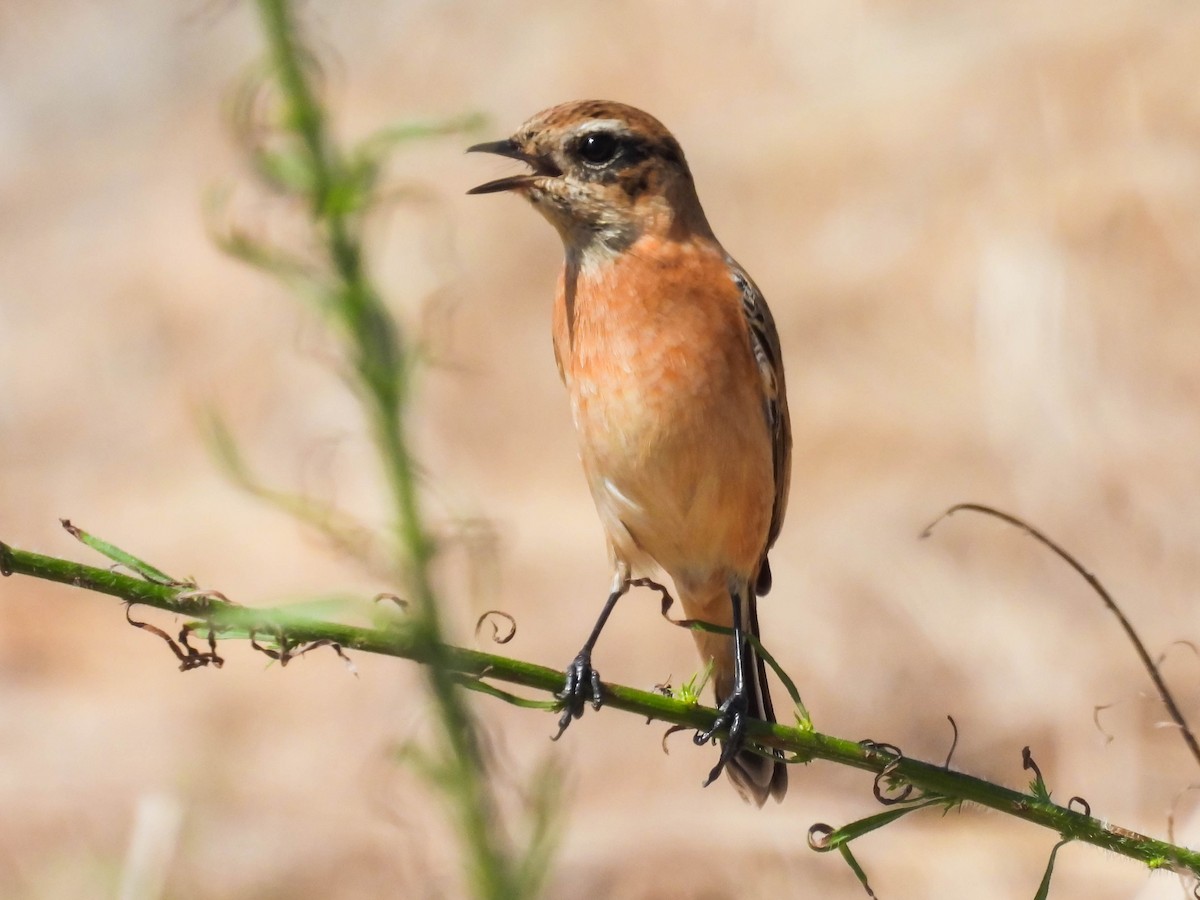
381	360
371	330
407	643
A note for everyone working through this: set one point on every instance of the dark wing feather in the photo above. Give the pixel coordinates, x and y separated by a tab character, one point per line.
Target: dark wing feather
764	341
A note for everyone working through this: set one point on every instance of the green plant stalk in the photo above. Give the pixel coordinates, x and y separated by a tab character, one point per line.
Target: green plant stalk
381	361
403	641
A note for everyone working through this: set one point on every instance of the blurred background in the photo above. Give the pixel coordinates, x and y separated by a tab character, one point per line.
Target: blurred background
977	229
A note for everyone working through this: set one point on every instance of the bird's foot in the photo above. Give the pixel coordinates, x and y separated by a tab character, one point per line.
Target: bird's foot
732	718
582	685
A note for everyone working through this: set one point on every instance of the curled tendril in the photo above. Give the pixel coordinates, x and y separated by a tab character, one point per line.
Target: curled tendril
189	657
665	609
667	600
335	646
1085	807
1162	657
212	644
1096	710
879	788
674	729
490	617
651	584
284	654
818	837
876	748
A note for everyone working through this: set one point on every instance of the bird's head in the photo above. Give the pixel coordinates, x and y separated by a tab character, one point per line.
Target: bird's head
603	174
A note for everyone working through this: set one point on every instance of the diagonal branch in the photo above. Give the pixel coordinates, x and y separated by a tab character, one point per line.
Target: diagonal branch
224	619
1152	670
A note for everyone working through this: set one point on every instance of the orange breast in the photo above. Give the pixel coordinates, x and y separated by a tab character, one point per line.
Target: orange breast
668	406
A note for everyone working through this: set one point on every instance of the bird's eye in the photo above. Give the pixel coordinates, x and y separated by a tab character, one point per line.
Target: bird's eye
598	148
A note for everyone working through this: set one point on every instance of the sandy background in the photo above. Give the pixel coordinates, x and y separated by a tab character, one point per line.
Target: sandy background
977	228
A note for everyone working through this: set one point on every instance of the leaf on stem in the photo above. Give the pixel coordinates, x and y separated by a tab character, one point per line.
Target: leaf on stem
128	560
1043	890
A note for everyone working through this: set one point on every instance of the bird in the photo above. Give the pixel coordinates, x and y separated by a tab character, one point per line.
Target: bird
672	363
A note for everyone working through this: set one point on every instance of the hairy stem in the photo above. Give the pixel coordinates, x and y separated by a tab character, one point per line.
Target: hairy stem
402	641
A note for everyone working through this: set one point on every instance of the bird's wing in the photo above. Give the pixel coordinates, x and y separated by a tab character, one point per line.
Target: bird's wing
764	341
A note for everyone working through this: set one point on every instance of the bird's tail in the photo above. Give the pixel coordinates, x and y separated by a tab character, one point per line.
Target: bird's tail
755	777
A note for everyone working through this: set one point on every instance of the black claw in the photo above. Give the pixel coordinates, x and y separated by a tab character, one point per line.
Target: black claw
582	685
597	691
563	722
732	718
727	752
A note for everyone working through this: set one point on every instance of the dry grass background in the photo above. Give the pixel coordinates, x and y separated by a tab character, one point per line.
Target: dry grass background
976	225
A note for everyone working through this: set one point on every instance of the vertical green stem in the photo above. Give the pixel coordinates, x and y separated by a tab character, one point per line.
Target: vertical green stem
381	358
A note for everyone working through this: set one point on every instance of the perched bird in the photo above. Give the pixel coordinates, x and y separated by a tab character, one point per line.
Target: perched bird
672	363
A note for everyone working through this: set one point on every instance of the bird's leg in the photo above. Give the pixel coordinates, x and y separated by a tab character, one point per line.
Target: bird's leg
583	682
736	707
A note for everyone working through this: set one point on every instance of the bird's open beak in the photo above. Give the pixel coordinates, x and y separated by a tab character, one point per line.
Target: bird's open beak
541	167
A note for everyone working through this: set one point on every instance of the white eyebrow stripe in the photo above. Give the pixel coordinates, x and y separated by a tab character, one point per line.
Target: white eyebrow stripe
611	125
